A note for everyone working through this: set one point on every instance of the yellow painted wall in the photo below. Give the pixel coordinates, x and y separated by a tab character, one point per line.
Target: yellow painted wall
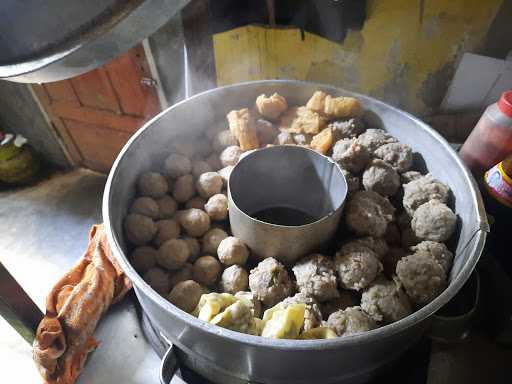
393	57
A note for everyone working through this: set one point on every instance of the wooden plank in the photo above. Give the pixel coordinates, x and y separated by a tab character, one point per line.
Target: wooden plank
99	146
61	91
95	91
107	119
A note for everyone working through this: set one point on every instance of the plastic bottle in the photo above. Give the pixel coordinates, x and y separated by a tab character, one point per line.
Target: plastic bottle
491	139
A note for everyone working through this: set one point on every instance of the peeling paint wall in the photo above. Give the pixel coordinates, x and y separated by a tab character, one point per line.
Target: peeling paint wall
404	55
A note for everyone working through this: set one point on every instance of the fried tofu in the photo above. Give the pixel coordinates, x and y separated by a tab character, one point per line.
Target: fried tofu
323	141
243	126
302	120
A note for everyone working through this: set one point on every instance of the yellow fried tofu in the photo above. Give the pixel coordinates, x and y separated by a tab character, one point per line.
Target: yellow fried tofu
284	323
237	317
318	333
271	107
317	102
211	304
323	141
302	120
243	126
342	107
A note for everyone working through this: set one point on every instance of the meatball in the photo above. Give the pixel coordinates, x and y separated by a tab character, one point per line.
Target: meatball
376	244
139	229
302	139
391	259
375	138
195	222
177	165
232	250
214	162
434	221
353	182
194	247
345	300
409	176
217	207
145	206
380	177
350	321
438	251
195	202
368	213
158	279
184	188
230	155
398	155
182	274
224	139
225	173
347	129
152	184
206	270
234	279
312	314
209	184
166	207
212	239
316	277
271	107
254	303
350	155
385	301
284	138
357	268
173	254
270	282
422	190
166	230
186	295
200	167
267	133
422	276
143	258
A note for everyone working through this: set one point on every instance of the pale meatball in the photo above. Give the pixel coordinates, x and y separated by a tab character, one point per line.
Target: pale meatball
143	258
302	139
316	277
206	270
166	230
422	276
177	165
230	155
376	244
267	133
182	274
375	138
214	162
284	138
225	173
167	206
438	251
173	254
380	177
209	184
271	107
217	207
194	247
409	176
195	222
184	188
195	202
368	213
353	182
212	239
346	299
200	167
232	250
391	259
422	190
357	268
234	279
398	155
385	301
270	282
145	206
350	155
224	139
312	314
434	221
139	229
152	184
186	295
347	129
350	321
158	279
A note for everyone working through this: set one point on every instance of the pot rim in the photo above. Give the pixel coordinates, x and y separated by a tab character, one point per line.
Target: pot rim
385	331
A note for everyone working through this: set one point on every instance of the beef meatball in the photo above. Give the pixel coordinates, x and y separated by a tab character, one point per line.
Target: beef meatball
214	162
347	129
422	190
182	274
217	207
302	139
139	229
158	279
206	270
199	167
312	314
346	299
225	173
166	230
398	155
376	244
350	155
385	301
375	138
167	206
173	254
267	133
316	277
186	295
143	258
212	239
230	155
194	247
438	251
409	176
152	184
223	139
434	221
234	279
357	268
368	213
353	182
195	222
177	165
422	276
350	321
232	250
209	184
145	206
184	188
270	282
195	202
284	138
380	177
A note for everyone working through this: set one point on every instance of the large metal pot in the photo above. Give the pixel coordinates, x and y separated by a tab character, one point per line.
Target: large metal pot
225	356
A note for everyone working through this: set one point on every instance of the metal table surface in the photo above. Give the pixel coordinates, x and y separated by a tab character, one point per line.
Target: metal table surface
43	231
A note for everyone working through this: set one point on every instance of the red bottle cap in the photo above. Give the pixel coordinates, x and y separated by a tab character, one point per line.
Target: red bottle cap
505	103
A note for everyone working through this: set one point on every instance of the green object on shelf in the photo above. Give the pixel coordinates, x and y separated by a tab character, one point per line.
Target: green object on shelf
18	164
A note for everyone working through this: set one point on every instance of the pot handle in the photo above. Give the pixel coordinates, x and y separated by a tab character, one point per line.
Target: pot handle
168	368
